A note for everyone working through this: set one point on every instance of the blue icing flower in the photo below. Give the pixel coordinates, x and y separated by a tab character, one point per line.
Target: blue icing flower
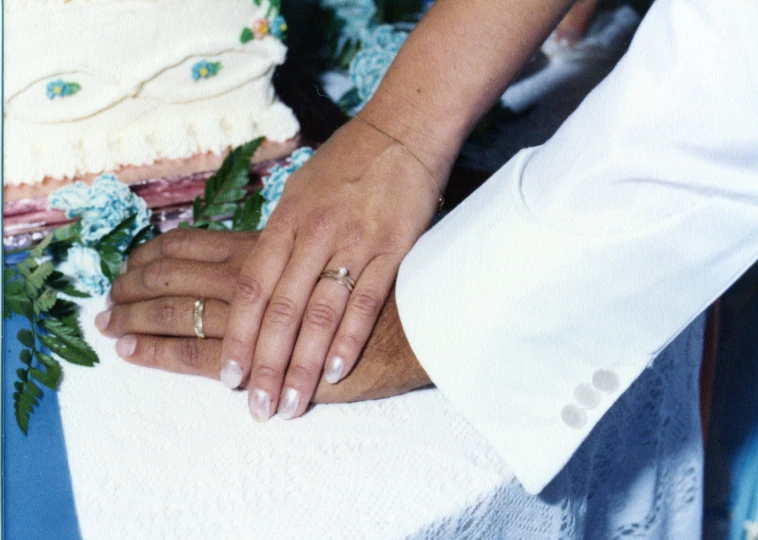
278	27
101	207
373	60
86	270
204	69
273	183
357	16
61	89
300	156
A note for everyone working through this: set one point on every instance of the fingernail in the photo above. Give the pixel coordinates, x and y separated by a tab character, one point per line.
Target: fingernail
102	319
334	371
289	403
231	374
260	404
122	270
125	346
108	301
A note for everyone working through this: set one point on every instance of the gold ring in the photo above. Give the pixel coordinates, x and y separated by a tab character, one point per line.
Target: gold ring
341	276
197	318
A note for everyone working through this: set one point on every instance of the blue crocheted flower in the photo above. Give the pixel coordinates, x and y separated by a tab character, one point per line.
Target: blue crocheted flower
61	89
101	207
278	27
357	16
378	50
204	69
273	183
86	270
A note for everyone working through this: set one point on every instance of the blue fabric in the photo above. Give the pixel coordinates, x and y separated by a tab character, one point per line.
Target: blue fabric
38	501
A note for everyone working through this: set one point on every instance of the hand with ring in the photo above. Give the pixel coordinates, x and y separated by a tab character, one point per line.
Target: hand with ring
171	305
310	291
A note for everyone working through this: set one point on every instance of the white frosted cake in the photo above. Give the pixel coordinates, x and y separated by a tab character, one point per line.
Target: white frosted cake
143	88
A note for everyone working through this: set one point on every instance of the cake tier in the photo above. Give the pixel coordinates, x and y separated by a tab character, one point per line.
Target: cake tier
114	86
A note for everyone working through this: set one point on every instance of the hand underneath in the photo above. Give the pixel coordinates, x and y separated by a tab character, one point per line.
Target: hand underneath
153	306
359	203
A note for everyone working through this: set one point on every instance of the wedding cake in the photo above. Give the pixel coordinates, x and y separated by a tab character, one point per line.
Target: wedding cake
142	88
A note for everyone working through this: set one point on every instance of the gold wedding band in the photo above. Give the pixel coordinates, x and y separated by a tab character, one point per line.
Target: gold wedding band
340	275
197	318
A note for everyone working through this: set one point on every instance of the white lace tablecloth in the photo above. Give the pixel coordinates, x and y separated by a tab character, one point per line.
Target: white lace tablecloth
155	455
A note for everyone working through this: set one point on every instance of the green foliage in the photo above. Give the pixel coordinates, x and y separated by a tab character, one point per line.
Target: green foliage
33	287
246	35
226	195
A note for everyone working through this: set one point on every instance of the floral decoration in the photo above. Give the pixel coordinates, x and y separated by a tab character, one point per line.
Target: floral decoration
86	269
101	206
204	69
261	28
373	60
61	89
357	17
278	27
273	183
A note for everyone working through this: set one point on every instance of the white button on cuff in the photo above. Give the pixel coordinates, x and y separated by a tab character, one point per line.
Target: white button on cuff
605	380
586	396
573	416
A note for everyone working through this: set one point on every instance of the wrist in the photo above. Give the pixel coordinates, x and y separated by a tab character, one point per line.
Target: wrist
434	141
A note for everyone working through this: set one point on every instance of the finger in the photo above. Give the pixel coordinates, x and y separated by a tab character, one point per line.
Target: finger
320	322
279	330
172	316
575	23
253	287
363	308
190	356
174	277
192	244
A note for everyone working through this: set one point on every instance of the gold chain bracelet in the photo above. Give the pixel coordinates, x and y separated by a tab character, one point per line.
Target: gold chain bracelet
440	199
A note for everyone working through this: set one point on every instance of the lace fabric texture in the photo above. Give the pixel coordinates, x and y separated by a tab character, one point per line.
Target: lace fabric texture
156	455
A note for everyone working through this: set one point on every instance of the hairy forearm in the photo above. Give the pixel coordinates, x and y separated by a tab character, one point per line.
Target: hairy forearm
453	67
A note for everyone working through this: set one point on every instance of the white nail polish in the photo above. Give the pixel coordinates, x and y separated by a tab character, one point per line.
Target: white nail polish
122	270
102	319
289	403
260	404
231	374
334	371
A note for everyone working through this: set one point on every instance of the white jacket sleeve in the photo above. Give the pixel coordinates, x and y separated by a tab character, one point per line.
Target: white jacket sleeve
538	301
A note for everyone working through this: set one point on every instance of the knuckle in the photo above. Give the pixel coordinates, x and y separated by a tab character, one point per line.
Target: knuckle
190	353
355	236
154	353
321	314
248	289
174	242
366	303
156	274
282	311
165	314
394	243
266	371
301	374
348	342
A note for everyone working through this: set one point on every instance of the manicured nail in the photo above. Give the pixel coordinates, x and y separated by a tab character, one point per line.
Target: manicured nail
102	319
125	346
334	371
231	374
122	270
260	404
108	301
288	405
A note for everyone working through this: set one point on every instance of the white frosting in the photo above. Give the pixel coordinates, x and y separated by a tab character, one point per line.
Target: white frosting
137	101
